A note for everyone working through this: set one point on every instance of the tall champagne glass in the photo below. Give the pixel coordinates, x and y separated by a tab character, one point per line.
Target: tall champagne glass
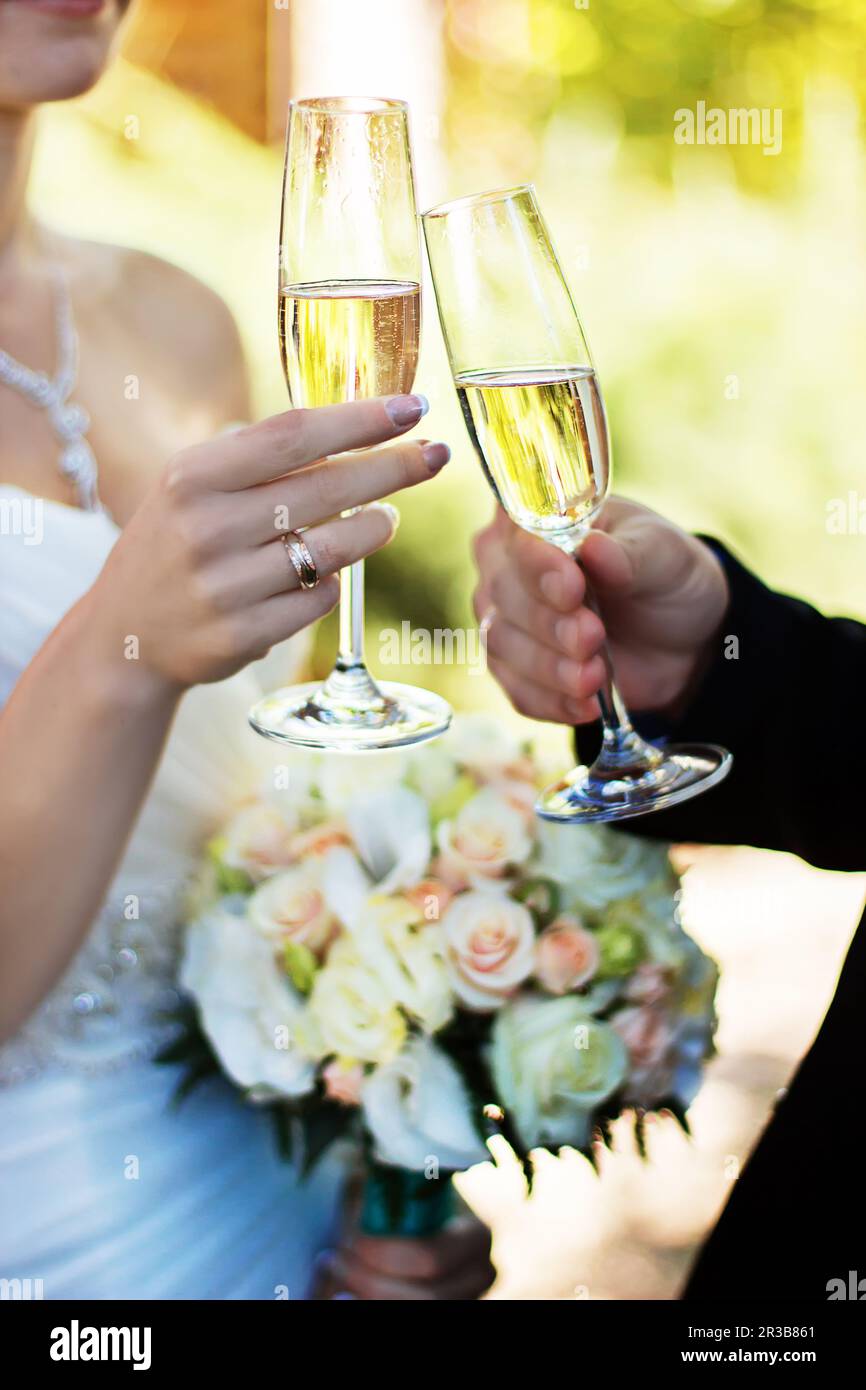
349	316
535	414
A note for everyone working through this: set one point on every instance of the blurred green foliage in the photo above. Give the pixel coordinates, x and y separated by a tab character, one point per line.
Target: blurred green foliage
515	64
724	291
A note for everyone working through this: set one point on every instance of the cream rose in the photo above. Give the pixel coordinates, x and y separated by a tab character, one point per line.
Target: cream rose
407	957
319	840
485	746
291	906
553	1065
484	839
490	947
259	841
352	1013
566	956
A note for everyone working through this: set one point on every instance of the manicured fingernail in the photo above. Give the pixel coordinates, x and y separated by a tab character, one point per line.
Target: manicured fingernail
551	586
407	410
566	631
391	511
435	456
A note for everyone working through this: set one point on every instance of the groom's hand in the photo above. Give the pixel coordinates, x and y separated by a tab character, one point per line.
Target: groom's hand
662	593
452	1265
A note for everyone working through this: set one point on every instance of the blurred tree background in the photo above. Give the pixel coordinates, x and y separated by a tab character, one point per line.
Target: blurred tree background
723	290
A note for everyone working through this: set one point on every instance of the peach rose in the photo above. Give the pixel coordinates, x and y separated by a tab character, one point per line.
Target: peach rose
310	844
259	841
490	945
648	1035
650	984
485	837
518	793
566	956
291	906
431	897
343	1083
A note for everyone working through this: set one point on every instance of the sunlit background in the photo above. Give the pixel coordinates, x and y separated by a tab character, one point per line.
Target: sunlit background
724	292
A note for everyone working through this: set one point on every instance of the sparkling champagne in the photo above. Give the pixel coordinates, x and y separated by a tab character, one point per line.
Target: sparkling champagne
344	340
542	439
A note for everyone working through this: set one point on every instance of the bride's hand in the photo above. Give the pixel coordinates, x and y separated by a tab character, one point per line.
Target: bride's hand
200	576
663	594
451	1266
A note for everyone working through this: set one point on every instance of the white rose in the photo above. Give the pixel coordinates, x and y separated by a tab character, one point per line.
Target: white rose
259	840
432	770
342	779
292	787
390	935
490	947
484	839
352	1013
484	745
416	1108
554	1065
408	956
248	1009
596	866
292	906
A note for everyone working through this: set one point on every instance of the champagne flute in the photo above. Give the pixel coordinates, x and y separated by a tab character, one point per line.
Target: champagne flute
535	414
349	316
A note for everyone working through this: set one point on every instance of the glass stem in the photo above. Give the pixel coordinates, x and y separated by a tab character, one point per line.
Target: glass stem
623	752
350	693
350	654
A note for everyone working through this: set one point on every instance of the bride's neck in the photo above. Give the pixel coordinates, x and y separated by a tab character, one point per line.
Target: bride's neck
17	130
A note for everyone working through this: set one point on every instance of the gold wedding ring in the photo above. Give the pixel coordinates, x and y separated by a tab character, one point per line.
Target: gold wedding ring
300	559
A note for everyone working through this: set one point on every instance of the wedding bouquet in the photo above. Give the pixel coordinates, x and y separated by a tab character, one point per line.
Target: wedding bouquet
393	947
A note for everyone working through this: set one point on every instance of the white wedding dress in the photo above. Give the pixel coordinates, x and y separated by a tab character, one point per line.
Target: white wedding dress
105	1190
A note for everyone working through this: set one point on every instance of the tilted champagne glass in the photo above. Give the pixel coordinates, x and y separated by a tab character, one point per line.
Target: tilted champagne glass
349	328
534	411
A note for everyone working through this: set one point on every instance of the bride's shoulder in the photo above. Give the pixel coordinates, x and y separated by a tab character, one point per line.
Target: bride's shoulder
189	327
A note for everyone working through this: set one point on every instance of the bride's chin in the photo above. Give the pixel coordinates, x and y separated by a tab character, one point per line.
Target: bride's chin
51	50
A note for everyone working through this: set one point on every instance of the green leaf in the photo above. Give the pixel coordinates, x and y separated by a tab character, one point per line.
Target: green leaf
283	1128
322	1123
301	965
195	1074
233	880
542	896
229	880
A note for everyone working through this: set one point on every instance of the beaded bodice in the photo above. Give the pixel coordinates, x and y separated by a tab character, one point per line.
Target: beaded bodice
111	1003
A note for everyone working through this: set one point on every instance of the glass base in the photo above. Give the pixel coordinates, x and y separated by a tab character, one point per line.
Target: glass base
682	770
351	713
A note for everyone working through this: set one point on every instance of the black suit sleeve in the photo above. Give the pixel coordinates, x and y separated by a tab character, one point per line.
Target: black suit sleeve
790	706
